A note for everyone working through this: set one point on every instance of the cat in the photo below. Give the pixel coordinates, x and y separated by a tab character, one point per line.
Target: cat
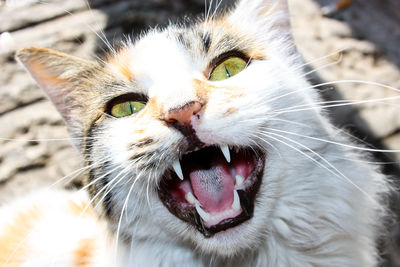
205	147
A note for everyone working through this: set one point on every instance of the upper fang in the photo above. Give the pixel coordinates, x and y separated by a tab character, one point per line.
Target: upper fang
178	169
225	151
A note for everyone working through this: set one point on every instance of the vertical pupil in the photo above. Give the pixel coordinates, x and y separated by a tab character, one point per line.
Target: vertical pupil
130	107
228	74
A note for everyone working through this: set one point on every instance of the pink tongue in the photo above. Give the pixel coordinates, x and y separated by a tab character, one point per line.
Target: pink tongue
213	187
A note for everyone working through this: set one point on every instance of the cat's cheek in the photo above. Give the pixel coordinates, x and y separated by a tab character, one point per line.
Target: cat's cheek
219	129
118	137
211	136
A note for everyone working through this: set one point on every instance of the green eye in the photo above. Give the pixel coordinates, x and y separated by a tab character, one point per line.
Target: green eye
126	108
228	68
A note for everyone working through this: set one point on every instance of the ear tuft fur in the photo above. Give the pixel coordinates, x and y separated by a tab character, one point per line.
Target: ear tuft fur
262	15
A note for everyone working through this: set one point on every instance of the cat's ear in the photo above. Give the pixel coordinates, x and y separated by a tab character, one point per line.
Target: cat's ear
262	15
67	81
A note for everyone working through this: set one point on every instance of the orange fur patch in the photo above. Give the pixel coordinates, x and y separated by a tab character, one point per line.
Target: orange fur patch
13	249
230	111
82	209
43	74
139	131
84	253
202	89
121	63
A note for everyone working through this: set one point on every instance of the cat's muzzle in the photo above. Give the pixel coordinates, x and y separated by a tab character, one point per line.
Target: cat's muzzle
213	189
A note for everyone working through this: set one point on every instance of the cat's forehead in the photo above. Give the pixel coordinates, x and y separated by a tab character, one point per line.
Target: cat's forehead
162	65
165	47
183	50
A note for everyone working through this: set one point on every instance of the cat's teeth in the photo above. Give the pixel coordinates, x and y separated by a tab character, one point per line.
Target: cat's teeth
203	214
225	151
239	180
178	169
236	201
190	198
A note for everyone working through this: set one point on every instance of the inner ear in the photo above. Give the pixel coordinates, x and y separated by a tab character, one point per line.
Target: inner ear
68	81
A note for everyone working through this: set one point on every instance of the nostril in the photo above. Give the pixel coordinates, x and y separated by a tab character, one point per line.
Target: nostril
196	107
184	113
170	120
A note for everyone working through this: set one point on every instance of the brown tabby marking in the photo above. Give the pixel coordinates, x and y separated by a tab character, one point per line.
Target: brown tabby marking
233	36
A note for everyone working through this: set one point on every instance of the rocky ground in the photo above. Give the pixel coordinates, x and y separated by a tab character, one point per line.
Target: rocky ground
360	43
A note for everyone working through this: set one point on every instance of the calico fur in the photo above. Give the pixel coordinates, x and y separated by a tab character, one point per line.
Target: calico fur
319	203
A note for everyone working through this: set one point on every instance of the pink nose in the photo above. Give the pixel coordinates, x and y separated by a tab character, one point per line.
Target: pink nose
183	114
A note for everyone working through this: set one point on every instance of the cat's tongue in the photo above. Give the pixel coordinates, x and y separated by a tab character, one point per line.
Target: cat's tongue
213	186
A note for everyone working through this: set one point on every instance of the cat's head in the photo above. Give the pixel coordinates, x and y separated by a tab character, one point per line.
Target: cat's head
173	124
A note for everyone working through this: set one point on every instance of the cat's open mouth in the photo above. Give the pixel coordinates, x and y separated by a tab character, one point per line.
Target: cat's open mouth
212	190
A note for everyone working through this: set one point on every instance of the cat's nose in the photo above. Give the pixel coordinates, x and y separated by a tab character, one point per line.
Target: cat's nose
183	114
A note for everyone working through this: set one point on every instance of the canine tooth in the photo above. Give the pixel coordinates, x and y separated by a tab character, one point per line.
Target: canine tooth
225	151
236	201
203	214
239	179
190	198
178	169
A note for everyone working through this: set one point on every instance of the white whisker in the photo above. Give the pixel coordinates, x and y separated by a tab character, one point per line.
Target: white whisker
339	51
337	173
337	143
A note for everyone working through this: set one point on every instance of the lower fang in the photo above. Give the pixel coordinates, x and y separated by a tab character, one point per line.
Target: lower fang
236	201
190	198
239	179
203	214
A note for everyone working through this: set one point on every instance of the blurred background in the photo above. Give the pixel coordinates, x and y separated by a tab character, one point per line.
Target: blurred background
358	43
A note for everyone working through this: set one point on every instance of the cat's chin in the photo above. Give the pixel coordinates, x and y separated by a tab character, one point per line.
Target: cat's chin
214	192
231	242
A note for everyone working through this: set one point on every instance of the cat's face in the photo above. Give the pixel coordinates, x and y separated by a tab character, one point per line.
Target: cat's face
173	125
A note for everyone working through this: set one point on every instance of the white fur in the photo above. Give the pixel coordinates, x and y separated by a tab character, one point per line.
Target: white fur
54	232
317	206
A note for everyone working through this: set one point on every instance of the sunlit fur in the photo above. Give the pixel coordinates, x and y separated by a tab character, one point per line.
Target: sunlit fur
53	228
318	205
